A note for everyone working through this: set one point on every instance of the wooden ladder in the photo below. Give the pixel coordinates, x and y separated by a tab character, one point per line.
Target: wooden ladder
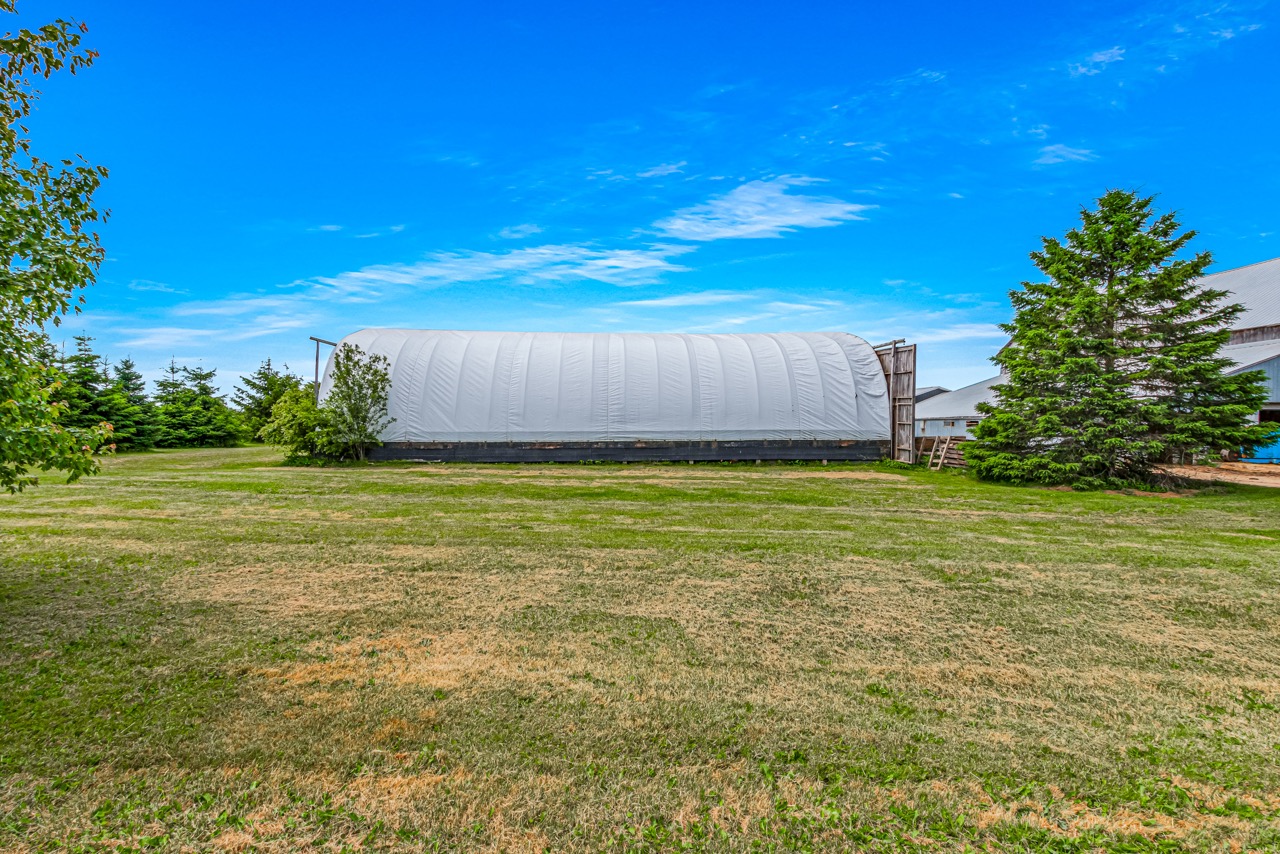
947	453
938	453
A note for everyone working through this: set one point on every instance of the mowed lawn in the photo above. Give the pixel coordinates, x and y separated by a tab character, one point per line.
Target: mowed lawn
205	650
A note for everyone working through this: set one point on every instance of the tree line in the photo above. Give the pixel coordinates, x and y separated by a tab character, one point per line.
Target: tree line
99	399
185	410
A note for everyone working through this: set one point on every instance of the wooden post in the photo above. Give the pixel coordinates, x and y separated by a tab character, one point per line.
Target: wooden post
898	361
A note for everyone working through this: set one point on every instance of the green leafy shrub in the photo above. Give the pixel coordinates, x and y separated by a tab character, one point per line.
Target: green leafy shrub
48	234
304	430
349	420
357	399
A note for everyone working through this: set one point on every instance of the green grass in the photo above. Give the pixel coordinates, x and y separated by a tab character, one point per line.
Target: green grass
206	651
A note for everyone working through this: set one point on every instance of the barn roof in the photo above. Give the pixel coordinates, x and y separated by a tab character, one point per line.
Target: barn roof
930	391
452	386
959	404
1247	355
1257	286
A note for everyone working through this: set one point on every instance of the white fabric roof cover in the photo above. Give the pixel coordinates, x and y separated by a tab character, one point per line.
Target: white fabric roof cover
546	386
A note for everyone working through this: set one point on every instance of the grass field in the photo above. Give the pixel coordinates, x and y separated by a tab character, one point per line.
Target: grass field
206	651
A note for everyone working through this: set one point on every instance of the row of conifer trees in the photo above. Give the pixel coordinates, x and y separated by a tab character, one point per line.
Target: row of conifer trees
185	409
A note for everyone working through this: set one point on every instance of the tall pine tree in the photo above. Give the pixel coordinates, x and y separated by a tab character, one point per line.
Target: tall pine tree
1114	364
135	423
262	390
93	396
191	413
85	382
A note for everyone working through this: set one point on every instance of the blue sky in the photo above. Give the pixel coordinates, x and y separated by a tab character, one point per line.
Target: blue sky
280	170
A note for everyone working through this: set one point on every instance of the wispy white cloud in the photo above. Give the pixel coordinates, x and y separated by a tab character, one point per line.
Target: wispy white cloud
232	306
156	287
1097	62
782	307
682	300
1231	32
662	169
179	336
1051	154
1172	33
743	320
163	336
873	148
395	229
539	265
959	332
459	159
327	228
515	232
730	322
763	208
796	310
921	76
759	209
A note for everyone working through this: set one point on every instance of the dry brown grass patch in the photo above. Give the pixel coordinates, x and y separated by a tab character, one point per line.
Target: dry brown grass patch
1073	818
285	590
944	677
402	659
431	553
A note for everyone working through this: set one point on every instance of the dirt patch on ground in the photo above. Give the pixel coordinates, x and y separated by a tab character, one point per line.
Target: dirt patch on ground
1249	474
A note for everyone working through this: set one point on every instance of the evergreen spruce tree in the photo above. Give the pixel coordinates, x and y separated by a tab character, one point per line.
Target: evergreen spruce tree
170	401
1114	364
85	381
135	423
262	390
190	412
93	396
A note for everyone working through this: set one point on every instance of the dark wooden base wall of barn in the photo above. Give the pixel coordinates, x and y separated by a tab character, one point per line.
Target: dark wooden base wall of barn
634	452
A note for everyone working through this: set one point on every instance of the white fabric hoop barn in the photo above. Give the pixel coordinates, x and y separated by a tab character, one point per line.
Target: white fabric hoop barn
449	386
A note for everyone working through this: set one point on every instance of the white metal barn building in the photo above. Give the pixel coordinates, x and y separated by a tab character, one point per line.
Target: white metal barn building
1254	345
542	396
